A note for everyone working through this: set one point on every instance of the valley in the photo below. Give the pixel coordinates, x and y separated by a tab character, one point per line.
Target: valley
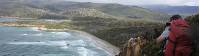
112	23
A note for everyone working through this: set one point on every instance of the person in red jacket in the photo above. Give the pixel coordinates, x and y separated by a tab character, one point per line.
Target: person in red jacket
178	39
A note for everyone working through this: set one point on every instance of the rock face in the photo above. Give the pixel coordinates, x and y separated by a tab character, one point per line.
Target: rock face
134	47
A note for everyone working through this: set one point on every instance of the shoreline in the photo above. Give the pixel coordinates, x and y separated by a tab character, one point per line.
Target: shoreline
102	44
20	25
109	48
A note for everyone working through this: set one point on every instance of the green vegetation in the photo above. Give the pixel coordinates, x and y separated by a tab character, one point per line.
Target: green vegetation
114	23
52	16
50	9
116	31
62	25
84	12
194	22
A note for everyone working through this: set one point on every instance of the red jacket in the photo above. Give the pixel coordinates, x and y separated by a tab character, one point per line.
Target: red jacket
178	40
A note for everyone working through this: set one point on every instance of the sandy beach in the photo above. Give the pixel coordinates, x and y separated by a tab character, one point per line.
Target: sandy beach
111	49
102	44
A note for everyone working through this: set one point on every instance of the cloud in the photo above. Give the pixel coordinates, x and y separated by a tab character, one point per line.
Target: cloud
145	2
191	4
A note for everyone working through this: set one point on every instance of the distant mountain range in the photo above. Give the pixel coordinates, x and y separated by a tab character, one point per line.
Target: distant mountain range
60	9
183	10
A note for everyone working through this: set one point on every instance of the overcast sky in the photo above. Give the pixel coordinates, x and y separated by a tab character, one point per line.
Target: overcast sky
146	2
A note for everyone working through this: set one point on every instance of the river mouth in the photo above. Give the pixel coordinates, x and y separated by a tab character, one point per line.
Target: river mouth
25	41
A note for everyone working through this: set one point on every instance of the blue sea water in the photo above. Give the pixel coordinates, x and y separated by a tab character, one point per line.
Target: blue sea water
23	41
7	19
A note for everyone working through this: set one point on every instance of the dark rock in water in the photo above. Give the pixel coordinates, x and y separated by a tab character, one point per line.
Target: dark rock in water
15	40
68	44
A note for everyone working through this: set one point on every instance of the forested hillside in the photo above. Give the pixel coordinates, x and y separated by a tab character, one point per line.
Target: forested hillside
61	9
182	10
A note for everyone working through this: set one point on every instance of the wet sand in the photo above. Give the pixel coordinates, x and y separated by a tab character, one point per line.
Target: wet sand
102	44
111	49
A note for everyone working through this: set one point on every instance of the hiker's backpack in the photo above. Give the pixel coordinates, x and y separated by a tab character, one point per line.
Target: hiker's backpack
179	37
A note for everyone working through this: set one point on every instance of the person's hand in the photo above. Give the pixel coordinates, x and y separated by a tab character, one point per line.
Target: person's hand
159	39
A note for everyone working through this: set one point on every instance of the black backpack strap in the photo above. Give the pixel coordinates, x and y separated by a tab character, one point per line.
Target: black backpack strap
161	52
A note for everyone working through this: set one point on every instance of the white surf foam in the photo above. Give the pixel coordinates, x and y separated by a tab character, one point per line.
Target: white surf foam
34	28
50	43
86	52
61	34
24	34
64	47
77	43
82	51
39	34
28	43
